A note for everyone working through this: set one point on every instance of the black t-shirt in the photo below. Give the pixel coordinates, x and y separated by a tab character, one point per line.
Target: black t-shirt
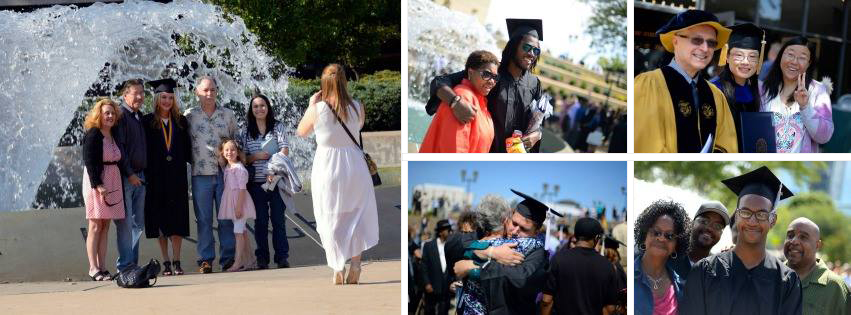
581	281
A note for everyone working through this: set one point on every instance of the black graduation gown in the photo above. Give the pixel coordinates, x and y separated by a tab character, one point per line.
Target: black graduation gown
749	103
510	103
167	189
513	290
721	284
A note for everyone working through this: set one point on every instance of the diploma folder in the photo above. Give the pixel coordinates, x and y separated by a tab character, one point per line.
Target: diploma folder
758	133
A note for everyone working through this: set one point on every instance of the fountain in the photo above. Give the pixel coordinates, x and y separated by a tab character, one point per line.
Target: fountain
439	41
50	58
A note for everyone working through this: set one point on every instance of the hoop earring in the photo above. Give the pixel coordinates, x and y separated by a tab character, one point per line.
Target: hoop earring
674	255
642	247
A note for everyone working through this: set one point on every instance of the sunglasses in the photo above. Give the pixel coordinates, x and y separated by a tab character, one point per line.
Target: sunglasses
487	75
535	50
697	41
668	236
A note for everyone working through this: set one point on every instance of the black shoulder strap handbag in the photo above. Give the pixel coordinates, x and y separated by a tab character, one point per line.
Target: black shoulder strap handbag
139	277
370	164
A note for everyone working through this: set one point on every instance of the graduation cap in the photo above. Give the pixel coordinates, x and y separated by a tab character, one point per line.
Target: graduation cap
164	85
688	19
533	209
761	182
745	36
520	27
612	243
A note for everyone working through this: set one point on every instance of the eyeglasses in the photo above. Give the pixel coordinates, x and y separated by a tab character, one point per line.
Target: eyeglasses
668	235
535	50
698	41
712	225
760	215
742	57
487	75
796	58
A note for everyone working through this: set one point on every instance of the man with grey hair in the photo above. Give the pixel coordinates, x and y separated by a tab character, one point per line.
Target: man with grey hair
130	137
824	292
208	124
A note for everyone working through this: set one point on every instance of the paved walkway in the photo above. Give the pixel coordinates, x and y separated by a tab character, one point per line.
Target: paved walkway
304	290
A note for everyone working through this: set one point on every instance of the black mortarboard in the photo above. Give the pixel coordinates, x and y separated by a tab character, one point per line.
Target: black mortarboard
533	209
760	182
519	27
745	36
687	19
612	243
587	228
164	85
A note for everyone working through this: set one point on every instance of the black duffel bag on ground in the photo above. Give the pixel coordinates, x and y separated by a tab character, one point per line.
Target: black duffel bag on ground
139	277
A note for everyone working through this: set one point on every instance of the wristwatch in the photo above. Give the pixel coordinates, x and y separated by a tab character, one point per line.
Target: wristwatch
455	101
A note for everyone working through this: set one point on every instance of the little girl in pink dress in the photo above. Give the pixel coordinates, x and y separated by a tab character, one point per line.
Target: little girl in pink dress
237	204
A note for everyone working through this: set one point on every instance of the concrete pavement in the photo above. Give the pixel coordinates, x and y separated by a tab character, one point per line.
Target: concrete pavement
303	290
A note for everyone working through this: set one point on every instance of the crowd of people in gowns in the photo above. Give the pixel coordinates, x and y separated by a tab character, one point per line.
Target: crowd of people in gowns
675	273
679	108
494	262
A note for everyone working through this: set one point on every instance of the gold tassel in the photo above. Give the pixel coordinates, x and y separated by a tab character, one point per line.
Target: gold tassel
761	52
722	60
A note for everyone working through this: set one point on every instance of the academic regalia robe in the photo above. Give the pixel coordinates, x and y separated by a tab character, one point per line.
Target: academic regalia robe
721	284
743	101
509	102
663	127
167	187
513	290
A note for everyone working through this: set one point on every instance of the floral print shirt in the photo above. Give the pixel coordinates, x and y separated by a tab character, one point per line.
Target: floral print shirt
207	133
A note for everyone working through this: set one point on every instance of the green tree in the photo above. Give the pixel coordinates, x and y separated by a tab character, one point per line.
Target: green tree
607	26
705	177
358	33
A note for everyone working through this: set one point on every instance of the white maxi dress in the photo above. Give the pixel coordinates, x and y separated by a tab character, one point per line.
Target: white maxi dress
343	197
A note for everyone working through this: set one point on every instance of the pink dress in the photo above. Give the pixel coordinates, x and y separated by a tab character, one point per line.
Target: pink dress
113	207
665	304
236	177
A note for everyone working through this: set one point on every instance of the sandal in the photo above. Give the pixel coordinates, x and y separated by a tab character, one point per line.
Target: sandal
177	270
338	276
105	276
166	268
354	275
98	276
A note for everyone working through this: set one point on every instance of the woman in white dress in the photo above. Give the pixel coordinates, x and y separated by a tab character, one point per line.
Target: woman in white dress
343	196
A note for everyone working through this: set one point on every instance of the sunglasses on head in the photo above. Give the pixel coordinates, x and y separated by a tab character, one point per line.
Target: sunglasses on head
535	50
697	41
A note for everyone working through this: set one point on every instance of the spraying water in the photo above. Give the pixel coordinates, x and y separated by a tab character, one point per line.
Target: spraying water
439	41
51	57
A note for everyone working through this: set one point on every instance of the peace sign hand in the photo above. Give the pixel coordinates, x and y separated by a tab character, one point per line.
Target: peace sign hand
802	96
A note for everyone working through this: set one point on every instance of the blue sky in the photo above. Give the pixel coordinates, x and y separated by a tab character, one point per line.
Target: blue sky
583	182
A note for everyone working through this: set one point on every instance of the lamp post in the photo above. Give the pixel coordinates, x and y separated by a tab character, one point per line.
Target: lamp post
469	181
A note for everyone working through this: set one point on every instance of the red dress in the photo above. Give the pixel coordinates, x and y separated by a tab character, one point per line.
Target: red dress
448	135
113	206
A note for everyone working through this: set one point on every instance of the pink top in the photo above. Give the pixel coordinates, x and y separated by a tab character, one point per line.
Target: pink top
236	177
665	304
797	130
